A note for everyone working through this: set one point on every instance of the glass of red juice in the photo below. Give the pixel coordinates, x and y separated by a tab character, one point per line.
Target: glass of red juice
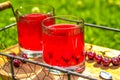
63	42
29	18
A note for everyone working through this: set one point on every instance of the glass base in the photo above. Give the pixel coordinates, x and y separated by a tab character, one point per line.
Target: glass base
31	53
78	68
56	72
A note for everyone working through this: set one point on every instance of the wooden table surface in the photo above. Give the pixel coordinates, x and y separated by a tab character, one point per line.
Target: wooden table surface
92	69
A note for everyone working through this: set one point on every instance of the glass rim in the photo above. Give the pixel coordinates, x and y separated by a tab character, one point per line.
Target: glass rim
61	17
18	13
35	5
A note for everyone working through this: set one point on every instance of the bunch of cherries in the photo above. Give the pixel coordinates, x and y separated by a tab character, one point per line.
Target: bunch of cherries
17	62
105	61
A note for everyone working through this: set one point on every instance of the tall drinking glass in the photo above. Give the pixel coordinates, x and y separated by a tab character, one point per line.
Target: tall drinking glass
29	18
63	42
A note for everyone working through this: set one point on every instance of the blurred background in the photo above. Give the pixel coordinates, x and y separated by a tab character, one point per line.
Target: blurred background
99	12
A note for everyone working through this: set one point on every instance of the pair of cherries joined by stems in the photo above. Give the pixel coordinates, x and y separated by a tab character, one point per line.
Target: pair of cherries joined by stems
17	62
105	61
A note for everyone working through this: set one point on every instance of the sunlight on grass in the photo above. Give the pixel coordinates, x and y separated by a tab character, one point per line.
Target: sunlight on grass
100	12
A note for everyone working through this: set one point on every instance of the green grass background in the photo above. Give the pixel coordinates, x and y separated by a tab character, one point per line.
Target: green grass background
99	12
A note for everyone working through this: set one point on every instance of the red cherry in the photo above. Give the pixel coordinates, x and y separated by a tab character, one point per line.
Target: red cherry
13	54
106	61
79	69
25	57
119	57
16	62
85	53
67	56
91	55
115	61
98	58
62	63
72	62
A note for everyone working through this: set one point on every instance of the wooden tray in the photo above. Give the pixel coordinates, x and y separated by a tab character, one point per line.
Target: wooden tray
92	69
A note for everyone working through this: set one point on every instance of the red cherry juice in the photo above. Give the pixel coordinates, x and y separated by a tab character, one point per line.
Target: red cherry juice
63	45
30	31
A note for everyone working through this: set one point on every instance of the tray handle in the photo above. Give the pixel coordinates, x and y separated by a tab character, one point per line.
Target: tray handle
5	5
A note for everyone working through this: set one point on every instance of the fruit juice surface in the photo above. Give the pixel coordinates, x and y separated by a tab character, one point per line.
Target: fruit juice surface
30	31
63	45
